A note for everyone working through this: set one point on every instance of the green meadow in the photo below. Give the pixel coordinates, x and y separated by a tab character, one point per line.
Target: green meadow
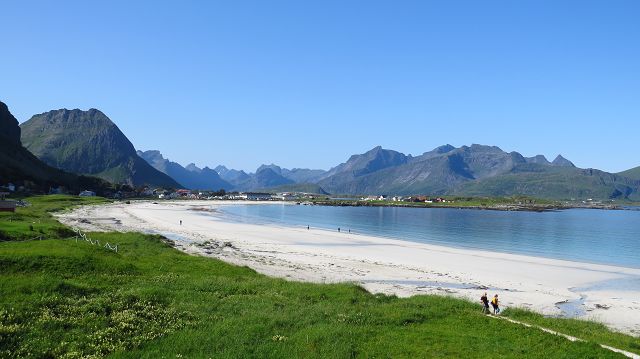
62	298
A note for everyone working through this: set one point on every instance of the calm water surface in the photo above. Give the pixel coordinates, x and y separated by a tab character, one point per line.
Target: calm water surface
597	236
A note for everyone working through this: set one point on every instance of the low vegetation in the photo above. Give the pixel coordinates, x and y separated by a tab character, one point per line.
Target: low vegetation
497	203
65	298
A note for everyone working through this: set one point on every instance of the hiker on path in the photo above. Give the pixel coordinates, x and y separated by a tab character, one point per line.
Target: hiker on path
495	304
485	303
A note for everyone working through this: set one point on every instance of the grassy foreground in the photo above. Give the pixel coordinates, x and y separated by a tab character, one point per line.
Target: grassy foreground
62	298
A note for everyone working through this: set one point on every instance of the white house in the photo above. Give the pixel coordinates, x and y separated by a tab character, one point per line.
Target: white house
256	196
286	196
87	193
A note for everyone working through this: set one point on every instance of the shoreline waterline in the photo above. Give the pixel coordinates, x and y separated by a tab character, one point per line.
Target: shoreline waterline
575	235
389	266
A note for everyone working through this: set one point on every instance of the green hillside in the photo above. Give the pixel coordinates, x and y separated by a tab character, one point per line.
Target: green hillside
555	183
21	167
62	298
633	173
87	142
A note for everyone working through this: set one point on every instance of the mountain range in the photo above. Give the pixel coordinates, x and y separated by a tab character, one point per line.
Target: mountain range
474	170
271	177
190	176
88	142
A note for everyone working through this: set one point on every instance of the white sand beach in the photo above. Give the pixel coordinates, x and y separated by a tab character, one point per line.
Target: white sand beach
379	264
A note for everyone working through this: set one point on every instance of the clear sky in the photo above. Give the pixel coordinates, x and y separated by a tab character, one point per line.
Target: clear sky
308	83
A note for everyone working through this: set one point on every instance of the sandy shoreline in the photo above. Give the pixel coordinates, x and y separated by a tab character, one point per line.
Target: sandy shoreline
382	265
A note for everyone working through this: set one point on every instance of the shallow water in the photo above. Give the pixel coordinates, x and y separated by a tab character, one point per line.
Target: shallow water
596	236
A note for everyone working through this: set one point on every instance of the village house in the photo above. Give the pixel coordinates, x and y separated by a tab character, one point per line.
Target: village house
147	192
417	199
87	193
286	196
6	205
183	192
255	196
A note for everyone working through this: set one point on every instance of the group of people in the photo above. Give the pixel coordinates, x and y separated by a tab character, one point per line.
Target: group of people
494	303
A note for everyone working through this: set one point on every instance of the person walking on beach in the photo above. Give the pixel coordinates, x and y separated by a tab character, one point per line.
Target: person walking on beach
495	304
180	222
338	229
485	303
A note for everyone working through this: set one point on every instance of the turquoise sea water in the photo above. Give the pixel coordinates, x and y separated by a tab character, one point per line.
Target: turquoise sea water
596	236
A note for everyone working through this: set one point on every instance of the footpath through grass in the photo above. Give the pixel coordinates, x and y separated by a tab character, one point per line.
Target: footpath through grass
62	298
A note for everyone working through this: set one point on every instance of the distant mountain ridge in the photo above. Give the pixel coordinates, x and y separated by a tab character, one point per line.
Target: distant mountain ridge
191	177
271	176
477	170
297	175
232	176
264	178
473	170
88	142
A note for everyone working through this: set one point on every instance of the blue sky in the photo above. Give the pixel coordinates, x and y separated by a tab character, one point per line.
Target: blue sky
307	84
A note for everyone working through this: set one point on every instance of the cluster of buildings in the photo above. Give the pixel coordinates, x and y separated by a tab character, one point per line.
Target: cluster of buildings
162	193
425	199
241	196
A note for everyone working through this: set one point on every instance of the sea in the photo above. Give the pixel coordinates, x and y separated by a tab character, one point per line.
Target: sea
584	235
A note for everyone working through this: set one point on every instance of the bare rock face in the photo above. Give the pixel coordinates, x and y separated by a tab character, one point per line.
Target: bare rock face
9	128
191	176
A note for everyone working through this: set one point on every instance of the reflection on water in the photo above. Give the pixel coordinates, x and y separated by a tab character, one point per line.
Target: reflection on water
597	236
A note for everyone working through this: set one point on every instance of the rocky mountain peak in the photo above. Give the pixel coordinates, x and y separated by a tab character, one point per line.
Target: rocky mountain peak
562	162
193	168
